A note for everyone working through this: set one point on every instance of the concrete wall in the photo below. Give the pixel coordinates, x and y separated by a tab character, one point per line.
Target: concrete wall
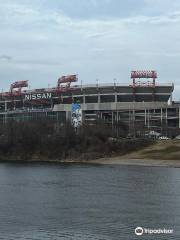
113	106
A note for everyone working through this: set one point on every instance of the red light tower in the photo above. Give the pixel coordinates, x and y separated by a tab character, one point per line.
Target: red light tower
144	75
18	85
64	82
64	85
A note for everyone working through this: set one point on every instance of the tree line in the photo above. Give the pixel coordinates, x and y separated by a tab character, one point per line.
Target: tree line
44	140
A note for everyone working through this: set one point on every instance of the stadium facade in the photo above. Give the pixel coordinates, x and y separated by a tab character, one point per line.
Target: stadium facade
141	103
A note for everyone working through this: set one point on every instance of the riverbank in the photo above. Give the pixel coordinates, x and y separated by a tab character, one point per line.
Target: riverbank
34	142
103	161
137	162
162	153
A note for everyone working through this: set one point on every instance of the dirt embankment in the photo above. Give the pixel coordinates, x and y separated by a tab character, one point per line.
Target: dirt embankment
162	153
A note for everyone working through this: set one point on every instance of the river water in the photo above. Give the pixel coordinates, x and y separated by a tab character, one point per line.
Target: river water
82	202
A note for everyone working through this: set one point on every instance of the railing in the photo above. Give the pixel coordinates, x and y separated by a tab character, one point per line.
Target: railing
118	85
26	110
98	85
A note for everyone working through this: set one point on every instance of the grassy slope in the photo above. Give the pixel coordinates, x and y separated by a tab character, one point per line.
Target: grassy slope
162	150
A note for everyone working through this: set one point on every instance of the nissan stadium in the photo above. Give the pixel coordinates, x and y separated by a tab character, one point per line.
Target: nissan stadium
142	100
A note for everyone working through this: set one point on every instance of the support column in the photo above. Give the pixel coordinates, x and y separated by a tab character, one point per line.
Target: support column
68	115
72	99
166	121
84	99
134	118
5	116
84	102
115	97
161	120
161	116
5	106
148	119
52	103
171	99
99	98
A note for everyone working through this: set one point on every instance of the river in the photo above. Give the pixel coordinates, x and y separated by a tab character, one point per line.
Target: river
81	202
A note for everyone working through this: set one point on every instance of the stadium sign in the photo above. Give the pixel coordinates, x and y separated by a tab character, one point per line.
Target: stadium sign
37	96
76	114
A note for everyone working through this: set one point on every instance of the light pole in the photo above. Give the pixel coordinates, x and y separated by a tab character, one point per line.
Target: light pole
115	80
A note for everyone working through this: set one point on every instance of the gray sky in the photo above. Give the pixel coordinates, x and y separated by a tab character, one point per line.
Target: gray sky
98	39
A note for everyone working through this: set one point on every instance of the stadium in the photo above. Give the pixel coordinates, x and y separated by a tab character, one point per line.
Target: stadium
141	102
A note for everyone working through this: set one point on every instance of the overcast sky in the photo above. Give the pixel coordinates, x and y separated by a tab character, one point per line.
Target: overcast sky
41	40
